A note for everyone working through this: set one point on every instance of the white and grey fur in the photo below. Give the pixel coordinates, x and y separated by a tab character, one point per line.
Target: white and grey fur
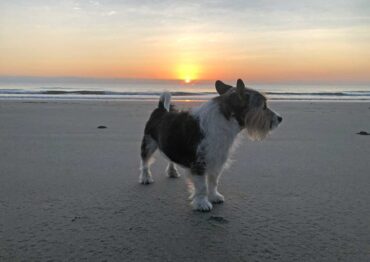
200	140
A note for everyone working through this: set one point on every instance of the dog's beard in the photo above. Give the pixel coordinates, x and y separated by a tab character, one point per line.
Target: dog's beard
258	124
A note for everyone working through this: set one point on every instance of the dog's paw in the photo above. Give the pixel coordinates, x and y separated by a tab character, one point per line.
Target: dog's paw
201	204
172	172
216	198
145	179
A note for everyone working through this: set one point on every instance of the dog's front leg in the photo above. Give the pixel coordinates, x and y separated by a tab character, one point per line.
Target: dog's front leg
200	200
213	195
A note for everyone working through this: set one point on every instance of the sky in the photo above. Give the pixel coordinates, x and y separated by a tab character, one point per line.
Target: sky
262	41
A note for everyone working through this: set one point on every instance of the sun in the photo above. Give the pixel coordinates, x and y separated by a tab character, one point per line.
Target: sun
187	72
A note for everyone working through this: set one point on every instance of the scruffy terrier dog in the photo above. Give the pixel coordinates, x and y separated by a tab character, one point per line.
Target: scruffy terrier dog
200	140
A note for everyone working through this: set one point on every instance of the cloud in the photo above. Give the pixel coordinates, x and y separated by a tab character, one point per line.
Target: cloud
110	13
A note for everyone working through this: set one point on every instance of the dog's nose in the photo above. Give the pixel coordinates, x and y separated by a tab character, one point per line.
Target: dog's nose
280	119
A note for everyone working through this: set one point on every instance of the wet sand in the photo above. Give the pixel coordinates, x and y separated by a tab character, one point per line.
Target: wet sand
69	191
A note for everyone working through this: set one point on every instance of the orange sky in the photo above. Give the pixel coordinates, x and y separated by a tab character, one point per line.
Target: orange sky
177	40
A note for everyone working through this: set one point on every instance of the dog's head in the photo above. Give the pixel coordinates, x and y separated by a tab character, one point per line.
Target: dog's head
249	108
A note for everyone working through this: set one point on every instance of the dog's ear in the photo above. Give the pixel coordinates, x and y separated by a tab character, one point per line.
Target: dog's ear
221	87
240	88
240	85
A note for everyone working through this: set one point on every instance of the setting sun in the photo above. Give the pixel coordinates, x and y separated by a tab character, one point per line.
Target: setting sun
188	72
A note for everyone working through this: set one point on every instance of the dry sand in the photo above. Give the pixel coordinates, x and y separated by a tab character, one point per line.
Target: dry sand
70	191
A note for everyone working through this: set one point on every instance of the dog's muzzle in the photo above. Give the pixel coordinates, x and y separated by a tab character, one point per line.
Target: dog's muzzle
275	121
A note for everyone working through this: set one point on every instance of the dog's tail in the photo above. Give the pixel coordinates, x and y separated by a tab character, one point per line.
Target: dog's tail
164	101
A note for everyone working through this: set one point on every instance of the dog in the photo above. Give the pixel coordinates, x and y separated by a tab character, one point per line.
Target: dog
200	140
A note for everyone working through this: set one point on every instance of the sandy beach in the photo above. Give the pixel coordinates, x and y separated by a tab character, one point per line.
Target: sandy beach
69	191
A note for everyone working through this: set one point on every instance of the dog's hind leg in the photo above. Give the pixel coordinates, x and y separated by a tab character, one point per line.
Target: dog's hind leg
213	195
172	171
148	147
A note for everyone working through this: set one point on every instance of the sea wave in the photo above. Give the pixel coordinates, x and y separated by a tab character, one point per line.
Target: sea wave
104	94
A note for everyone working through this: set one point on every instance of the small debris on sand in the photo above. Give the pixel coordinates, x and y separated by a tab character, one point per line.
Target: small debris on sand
76	218
364	133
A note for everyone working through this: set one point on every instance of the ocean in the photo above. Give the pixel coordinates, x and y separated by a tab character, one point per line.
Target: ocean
67	88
